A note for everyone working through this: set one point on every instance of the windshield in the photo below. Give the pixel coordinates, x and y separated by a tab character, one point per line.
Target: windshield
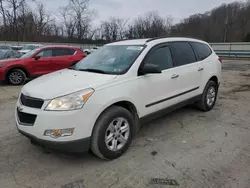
110	59
28	54
29	47
2	54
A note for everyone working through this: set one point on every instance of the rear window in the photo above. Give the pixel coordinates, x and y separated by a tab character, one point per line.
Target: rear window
202	50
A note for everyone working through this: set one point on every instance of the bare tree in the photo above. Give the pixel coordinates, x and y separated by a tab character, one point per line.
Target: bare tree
42	18
149	25
14	5
68	21
113	29
76	18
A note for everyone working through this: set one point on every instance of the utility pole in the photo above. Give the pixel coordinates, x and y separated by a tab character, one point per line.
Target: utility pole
226	30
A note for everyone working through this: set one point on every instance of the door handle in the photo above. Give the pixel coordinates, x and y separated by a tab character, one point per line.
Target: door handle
175	76
200	69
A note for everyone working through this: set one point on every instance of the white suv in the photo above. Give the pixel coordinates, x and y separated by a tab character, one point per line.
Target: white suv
99	103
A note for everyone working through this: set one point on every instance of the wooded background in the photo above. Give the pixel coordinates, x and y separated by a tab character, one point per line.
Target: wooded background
74	24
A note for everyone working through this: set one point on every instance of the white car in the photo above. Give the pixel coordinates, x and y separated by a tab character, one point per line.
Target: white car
100	102
89	51
28	47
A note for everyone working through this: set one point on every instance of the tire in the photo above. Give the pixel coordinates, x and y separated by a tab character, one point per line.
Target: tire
19	79
102	132
203	104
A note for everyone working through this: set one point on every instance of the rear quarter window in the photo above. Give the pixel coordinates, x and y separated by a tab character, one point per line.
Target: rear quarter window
71	51
202	50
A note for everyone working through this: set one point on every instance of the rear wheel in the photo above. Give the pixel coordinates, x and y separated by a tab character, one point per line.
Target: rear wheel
16	77
209	97
113	133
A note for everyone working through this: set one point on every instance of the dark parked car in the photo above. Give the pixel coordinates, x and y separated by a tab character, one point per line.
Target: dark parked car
8	54
5	47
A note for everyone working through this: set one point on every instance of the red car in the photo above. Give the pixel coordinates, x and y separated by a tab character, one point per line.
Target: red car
39	62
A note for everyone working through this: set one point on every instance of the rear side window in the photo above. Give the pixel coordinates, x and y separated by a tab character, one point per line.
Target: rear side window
161	57
183	53
202	50
62	52
59	52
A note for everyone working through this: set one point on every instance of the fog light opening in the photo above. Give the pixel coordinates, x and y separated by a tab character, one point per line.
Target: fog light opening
56	133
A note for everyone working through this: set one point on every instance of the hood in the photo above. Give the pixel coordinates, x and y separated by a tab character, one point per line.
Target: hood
10	60
64	82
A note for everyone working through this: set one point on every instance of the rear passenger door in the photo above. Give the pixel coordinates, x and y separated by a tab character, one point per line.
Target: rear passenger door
205	59
186	70
62	58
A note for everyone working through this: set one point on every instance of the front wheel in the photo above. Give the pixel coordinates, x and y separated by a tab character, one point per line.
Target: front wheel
209	96
16	77
113	133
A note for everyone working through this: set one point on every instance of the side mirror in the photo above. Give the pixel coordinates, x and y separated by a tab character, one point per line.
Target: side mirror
37	57
150	69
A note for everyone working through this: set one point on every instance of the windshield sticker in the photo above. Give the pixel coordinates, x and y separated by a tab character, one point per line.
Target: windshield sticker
135	48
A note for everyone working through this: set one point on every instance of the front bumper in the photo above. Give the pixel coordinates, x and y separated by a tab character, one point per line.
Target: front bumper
77	146
81	120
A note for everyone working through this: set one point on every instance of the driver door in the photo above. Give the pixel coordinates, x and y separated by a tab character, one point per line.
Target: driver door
155	90
43	64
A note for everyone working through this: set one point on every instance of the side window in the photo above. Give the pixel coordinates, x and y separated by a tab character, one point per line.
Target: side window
45	53
70	51
161	57
182	53
62	52
202	50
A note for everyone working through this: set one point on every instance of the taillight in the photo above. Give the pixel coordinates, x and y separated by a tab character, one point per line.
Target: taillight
220	59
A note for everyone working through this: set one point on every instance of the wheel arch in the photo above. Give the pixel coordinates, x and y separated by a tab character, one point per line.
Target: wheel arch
127	104
17	67
215	79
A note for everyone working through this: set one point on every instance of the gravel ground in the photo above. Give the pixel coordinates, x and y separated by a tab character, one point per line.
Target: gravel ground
186	148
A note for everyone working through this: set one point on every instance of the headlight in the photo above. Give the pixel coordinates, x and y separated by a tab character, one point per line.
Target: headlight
69	102
2	65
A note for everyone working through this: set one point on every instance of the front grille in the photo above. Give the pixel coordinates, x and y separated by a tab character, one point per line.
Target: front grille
31	102
26	119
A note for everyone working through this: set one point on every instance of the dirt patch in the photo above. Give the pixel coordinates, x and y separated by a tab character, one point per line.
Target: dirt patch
9	99
245	74
241	88
236	67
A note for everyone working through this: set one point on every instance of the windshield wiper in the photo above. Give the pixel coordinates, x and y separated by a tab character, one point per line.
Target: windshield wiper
93	70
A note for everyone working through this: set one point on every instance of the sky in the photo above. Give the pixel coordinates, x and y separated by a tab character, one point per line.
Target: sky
129	9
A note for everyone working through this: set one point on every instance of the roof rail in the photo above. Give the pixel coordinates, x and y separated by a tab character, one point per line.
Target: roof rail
155	38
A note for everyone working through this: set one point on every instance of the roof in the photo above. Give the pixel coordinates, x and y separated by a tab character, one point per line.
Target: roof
130	42
32	45
58	46
153	40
